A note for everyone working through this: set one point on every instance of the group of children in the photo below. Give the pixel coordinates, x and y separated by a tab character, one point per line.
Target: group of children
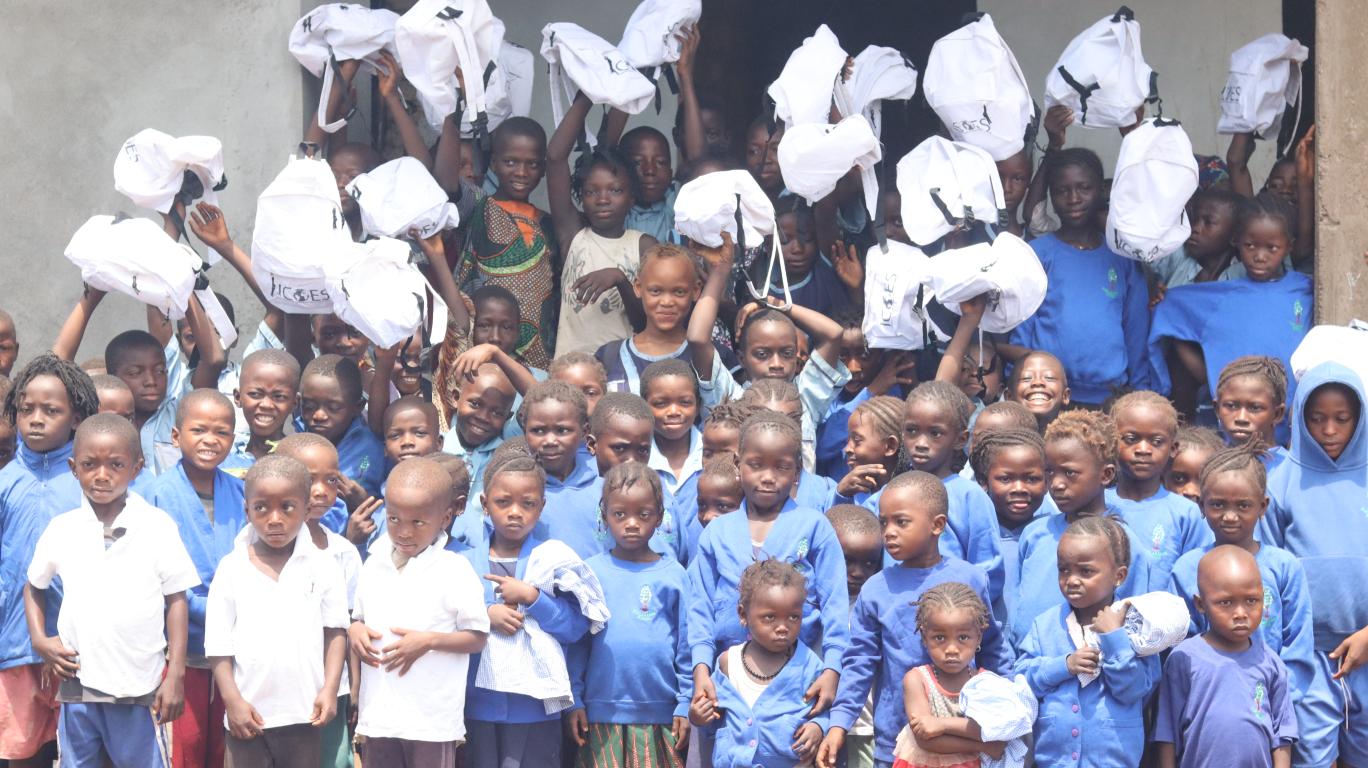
625	515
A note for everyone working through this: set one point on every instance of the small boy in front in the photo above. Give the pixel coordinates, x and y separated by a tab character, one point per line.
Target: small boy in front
123	622
419	615
275	627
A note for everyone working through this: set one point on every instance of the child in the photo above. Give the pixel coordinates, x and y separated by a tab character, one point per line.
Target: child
1193	447
9	344
8	437
1079	660
764	684
601	254
812	490
631	681
648	148
555	419
115	396
762	156
873	449
858	531
1009	465
277	672
49	400
205	503
505	726
722	429
330	405
410	430
418	616
477	425
1250	404
951	619
1207	256
584	372
812	280
1004	414
1146	432
1015	173
873	372
1096	312
1040	383
267	394
667	286
1314	497
884	644
122	566
620	433
670	389
1205	716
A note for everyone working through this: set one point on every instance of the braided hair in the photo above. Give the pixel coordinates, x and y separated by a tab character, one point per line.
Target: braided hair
85	402
1109	529
768	573
989	444
949	596
1269	369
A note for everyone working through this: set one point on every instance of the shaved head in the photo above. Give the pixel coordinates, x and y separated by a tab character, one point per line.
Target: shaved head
1226	564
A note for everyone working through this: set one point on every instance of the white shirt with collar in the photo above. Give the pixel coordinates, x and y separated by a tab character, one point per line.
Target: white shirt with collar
692	464
114	604
273	628
436	591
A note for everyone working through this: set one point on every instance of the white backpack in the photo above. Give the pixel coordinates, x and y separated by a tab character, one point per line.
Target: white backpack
376	290
340	32
299	228
880	74
813	157
976	87
1265	79
1346	345
1102	76
896	297
1007	269
582	61
947	185
135	257
399	196
1156	175
706	207
810	80
649	39
509	91
434	37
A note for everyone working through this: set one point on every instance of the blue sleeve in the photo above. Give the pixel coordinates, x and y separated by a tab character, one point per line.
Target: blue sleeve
577	665
1298	637
1044	673
995	653
196	604
831	590
1136	322
559	616
702	582
974	532
859	663
1181	315
1273	525
1128	677
1280	709
683	669
1173	694
1176	587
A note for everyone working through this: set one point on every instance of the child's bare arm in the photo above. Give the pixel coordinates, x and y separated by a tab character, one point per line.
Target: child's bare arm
1168	759
470	361
1190	354
825	332
611	129
1237	164
388	82
1304	247
315	134
443	280
170	700
400	655
59	658
334	654
159	325
244	722
298	338
211	227
446	164
1057	121
564	215
971	312
73	329
694	141
1282	756
212	356
378	391
699	333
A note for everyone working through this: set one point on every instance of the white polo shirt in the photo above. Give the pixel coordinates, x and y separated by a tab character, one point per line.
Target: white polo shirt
437	591
273	629
114	604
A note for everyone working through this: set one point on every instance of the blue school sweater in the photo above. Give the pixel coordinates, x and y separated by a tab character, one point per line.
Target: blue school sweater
834	432
1095	318
1167	524
557	615
884	644
815	491
571	514
34	488
636	671
360	455
821	291
207	542
762	735
1039	569
683	503
800	536
1229	319
1101	724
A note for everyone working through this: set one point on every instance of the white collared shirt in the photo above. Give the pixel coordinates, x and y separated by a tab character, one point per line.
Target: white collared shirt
437	591
692	464
273	629
114	604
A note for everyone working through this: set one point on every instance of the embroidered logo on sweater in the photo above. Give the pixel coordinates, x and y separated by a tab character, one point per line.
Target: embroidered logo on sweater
1298	316
1112	290
1260	694
644	610
800	556
1267	608
1157	539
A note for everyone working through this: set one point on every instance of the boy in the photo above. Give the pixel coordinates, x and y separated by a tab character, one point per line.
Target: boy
482	410
410	430
620	431
122	565
9	343
1207	254
1225	698
115	396
266	396
8	437
858	531
330	394
277	672
419	615
460	493
555	418
206	505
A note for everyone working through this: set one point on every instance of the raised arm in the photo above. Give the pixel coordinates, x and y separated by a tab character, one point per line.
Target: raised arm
971	312
212	356
704	316
694	142
443	280
68	341
1057	121
1237	164
565	216
825	332
388	80
211	227
1304	248
315	134
378	391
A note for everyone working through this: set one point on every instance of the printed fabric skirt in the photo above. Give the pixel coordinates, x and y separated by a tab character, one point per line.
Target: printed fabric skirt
613	745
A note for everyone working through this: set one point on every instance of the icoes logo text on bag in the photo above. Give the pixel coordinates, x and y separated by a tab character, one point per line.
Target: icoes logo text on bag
1230	94
297	294
617	65
983	123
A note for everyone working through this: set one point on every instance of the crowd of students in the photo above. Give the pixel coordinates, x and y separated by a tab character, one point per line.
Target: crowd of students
624	514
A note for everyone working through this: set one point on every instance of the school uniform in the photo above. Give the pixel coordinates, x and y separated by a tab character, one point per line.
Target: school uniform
884	645
834	432
361	456
571	514
761	734
800	536
820	290
624	363
1178	268
159	452
683	504
1167	524
815	491
671	535
1221	708
476	459
656	219
1099	724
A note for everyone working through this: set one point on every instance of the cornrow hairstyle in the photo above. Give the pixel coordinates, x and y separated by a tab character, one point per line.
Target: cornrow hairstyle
615	404
765	574
1267	205
296	443
1109	529
722	469
105	383
1144	398
948	396
949	596
763	315
342	369
557	391
1246	460
79	388
272	357
1197	437
1093	429
732	413
515	462
610	159
630	474
569	360
926	487
1015	412
988	444
111	424
275	465
456	467
125	344
661	369
195	397
778	391
671	251
1270	369
853	519
775	423
1073	157
885	412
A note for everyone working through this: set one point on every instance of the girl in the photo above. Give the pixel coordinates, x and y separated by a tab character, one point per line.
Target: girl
1194	446
1080	462
1096	311
971	361
765	682
1209	325
555	419
872	450
601	254
812	490
670	388
583	372
1250	404
667	286
1146	431
631	680
950	619
1079	660
1040	383
872	372
772	526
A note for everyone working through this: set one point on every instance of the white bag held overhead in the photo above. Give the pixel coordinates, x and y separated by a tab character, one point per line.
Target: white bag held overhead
433	38
399	196
377	291
947	185
136	258
1102	76
896	297
340	32
150	167
582	61
1265	79
299	228
810	80
1007	269
706	206
976	87
650	37
1346	345
1156	175
813	157
880	74
509	91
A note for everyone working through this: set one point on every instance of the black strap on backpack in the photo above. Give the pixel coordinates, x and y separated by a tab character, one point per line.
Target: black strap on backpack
1084	91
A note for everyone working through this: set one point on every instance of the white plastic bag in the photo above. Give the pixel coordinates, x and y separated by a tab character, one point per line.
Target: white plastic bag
400	196
582	61
810	80
813	157
706	206
136	258
340	32
946	185
1007	269
1265	80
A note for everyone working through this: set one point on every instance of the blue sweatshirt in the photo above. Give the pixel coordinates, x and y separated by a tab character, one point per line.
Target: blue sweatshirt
360	455
884	644
206	542
815	491
799	536
636	671
832	435
1095	318
571	514
762	735
1167	524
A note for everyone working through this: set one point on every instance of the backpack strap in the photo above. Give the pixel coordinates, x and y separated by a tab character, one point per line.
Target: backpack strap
331	71
1124	13
1153	97
1084	91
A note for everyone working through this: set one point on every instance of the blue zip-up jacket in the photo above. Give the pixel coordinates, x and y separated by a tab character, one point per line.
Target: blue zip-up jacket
762	736
799	536
636	671
1095	318
571	514
360	455
1167	524
34	488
